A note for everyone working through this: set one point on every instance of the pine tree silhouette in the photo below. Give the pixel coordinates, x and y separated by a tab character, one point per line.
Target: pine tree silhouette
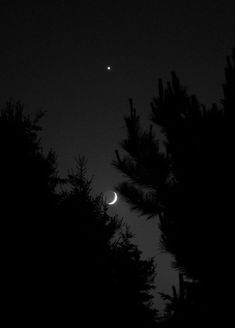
65	261
182	178
28	182
102	278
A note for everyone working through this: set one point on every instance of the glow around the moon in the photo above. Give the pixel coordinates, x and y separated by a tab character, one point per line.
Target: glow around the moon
110	197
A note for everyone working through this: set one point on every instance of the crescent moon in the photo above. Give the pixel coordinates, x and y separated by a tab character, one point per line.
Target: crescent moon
114	200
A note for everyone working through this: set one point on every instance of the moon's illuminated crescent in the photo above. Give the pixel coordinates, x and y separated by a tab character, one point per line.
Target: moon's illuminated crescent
114	199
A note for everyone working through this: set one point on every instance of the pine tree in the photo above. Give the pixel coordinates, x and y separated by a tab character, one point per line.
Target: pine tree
28	198
182	178
102	276
26	171
64	259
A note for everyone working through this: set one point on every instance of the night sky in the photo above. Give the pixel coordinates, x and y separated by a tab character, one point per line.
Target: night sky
54	57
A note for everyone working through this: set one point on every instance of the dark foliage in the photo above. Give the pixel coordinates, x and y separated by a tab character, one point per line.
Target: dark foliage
183	179
28	198
65	261
110	283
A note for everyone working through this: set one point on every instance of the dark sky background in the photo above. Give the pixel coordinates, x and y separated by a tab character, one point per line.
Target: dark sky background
54	56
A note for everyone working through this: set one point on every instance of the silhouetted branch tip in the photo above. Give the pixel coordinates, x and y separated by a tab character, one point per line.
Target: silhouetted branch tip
118	156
